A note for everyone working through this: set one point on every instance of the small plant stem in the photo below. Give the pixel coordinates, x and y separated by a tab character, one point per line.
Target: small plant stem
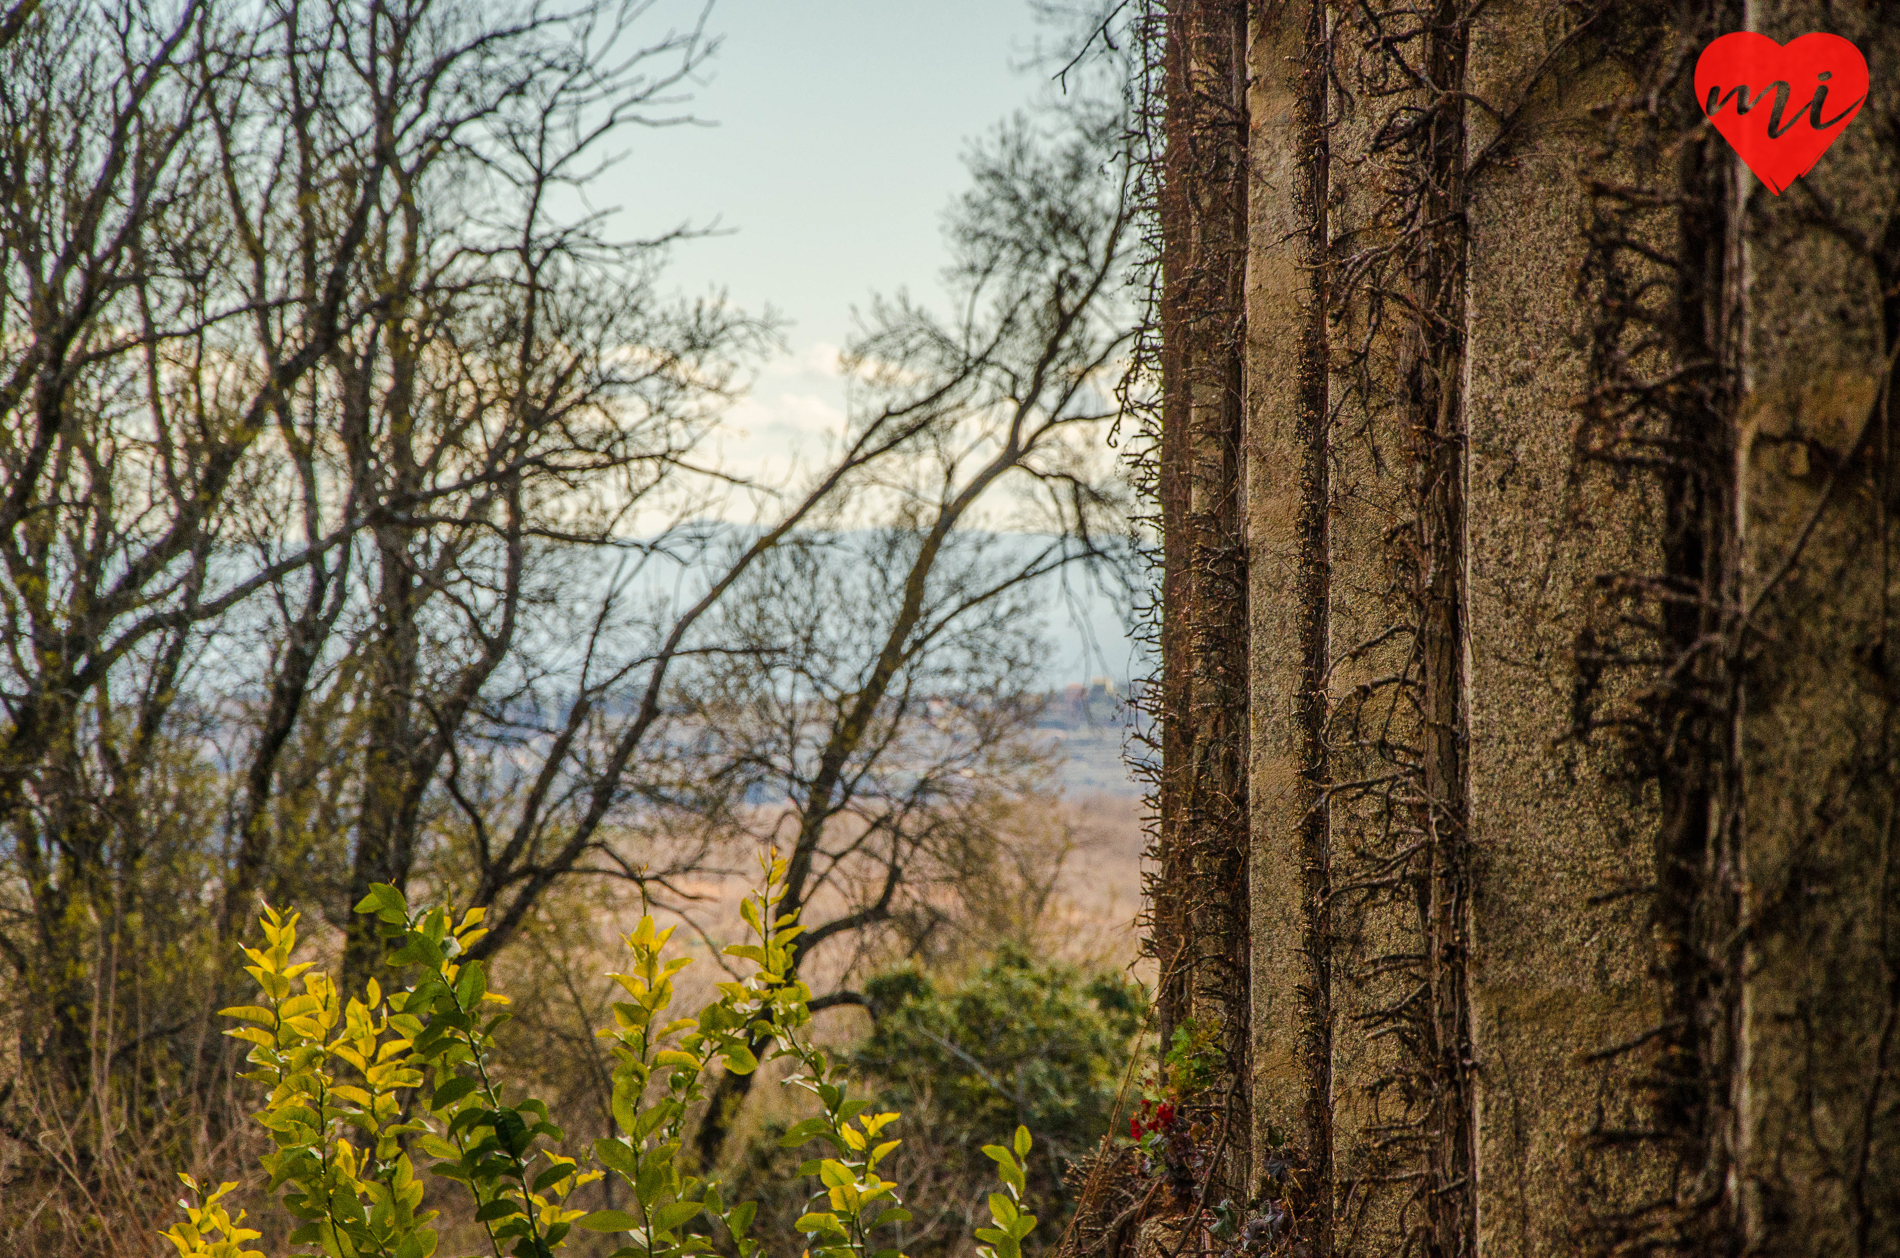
461	1146
494	1103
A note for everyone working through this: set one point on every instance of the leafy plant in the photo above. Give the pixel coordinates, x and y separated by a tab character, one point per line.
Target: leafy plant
1012	1225
364	1093
1020	1040
208	1227
1173	1124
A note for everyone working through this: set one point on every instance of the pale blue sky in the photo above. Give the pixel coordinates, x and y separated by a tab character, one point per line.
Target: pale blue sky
835	134
832	142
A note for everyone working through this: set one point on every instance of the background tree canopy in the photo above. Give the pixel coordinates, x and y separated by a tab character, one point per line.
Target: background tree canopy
1043	1044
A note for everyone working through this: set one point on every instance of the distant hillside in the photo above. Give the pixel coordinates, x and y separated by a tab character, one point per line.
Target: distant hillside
1084	621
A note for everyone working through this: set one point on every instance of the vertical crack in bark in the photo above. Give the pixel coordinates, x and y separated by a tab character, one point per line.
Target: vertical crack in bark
1314	593
1702	798
1205	714
1685	721
1438	421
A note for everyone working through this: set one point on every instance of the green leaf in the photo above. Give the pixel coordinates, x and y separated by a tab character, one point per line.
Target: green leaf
740	1060
648	1121
896	1214
1022	1142
513	1132
616	1156
803	1133
451	1092
418	948
608	1221
499	1208
385	902
652	1177
626	1103
668	1217
1011	1174
250	1013
470	985
819	1222
552	1176
739	1222
436	1147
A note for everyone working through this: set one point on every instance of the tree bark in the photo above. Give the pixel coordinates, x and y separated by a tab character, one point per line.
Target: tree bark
1201	915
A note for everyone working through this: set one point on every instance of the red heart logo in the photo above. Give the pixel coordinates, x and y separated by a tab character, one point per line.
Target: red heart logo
1780	106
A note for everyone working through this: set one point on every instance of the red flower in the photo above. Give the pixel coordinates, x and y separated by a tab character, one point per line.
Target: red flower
1164	1114
1134	1128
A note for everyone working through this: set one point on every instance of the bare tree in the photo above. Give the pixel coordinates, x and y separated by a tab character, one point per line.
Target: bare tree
899	680
121	480
299	359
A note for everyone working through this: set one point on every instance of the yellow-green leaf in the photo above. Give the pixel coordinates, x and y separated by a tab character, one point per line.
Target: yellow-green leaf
250	1013
608	1221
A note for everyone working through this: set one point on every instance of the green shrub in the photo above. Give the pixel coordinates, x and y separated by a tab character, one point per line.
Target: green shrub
1018	1042
367	1095
1042	1044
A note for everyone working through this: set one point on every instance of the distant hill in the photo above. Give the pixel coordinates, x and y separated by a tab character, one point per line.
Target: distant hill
1085	620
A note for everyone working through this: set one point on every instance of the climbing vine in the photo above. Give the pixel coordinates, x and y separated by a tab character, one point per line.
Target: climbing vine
1758	445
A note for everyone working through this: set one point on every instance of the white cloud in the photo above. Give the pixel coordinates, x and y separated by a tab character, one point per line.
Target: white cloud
817	360
790	421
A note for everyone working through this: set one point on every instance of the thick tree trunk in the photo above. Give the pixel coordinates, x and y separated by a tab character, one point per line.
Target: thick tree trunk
1288	439
1202	923
1569	494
